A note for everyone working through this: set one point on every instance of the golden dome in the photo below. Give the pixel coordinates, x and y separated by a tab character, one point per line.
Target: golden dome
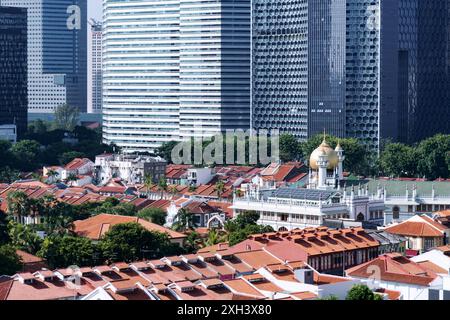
324	148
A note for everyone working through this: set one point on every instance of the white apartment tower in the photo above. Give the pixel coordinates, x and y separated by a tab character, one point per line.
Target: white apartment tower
173	69
95	68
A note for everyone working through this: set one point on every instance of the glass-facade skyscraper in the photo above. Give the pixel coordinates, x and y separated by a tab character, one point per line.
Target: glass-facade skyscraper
57	53
424	68
173	67
374	70
13	68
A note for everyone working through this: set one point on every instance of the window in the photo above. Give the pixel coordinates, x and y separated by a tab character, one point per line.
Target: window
396	213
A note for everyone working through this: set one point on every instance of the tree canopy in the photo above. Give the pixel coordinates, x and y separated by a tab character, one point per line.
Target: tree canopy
130	242
10	262
362	292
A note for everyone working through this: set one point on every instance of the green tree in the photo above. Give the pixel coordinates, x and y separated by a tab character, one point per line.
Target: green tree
4	236
66	157
27	155
220	189
162	186
130	241
432	157
63	251
66	117
5	150
165	150
154	215
148	184
398	160
215	237
18	205
290	149
10	262
184	221
38	126
362	292
24	237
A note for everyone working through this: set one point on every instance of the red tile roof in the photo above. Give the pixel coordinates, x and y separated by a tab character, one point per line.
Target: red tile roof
395	268
426	228
95	227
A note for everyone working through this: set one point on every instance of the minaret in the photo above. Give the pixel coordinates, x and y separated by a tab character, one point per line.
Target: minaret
322	163
341	157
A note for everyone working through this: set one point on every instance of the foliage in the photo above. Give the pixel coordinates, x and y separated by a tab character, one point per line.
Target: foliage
67	157
244	225
433	157
330	297
184	221
154	215
362	292
26	155
10	262
290	149
64	251
66	117
24	237
215	237
113	206
165	150
398	160
130	241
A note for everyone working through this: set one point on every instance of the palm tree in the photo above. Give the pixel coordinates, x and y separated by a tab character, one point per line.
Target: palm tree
52	173
214	237
148	183
219	188
18	205
173	190
162	186
185	220
71	178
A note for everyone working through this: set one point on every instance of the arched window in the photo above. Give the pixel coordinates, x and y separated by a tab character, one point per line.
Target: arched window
396	212
360	217
282	229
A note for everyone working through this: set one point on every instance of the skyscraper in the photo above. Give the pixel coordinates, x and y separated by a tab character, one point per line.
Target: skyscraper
171	67
95	68
375	70
424	68
57	53
13	68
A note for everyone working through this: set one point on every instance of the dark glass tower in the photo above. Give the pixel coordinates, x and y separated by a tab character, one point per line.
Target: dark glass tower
424	68
13	68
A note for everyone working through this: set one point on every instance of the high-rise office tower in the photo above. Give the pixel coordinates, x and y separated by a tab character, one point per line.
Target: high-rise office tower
94	88
13	68
424	69
370	69
57	53
173	66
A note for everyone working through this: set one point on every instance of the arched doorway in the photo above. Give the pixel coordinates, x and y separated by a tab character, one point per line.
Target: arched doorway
360	217
282	229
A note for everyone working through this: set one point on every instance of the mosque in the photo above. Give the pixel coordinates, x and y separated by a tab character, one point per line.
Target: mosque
323	202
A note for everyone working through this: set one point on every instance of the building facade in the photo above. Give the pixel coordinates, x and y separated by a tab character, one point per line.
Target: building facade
130	169
57	53
193	59
289	208
424	69
13	72
95	68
